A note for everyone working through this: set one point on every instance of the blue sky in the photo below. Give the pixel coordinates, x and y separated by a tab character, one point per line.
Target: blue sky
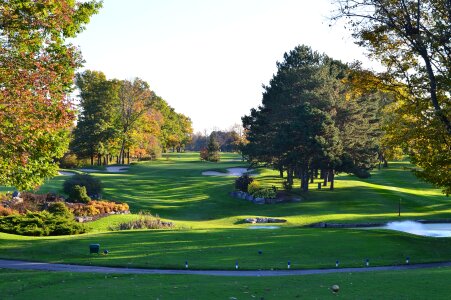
208	58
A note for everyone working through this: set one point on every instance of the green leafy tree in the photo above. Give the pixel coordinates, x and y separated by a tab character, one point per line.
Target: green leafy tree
97	122
36	73
412	39
213	149
307	121
135	99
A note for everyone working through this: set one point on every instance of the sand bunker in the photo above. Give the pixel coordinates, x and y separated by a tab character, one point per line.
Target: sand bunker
110	169
230	172
66	173
117	169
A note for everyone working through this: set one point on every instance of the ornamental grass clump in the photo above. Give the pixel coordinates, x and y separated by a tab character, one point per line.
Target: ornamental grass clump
145	221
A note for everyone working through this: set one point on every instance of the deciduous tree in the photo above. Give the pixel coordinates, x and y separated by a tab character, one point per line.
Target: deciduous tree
36	73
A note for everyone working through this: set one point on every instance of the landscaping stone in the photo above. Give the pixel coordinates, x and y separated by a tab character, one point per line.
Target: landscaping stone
264	220
259	201
249	197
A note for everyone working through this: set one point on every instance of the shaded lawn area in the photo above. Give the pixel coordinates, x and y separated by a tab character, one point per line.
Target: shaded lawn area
220	248
412	284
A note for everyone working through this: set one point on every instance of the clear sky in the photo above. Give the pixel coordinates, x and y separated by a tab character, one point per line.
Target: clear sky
208	58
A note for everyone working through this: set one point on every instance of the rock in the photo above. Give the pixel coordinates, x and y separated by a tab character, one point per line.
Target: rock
259	200
318	225
83	219
273	220
250	220
249	198
264	220
234	194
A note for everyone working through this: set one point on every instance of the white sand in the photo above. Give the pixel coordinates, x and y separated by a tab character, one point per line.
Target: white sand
65	173
117	169
89	170
230	172
110	169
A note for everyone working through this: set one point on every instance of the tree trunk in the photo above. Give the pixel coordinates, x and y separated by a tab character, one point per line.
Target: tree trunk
122	152
92	159
331	179
325	177
433	89
385	163
304	179
290	175
280	172
128	157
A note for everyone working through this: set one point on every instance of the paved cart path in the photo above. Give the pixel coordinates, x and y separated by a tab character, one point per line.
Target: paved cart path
27	265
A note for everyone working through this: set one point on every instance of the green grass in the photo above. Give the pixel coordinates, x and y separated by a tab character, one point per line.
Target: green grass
220	248
413	284
175	189
210	233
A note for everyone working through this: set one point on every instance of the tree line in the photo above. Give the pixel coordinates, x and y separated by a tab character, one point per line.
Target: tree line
123	118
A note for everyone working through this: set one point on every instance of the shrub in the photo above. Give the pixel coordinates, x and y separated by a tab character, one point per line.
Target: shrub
60	209
253	187
69	161
266	193
6	211
39	224
92	184
95	208
145	221
242	182
287	186
78	194
204	154
361	173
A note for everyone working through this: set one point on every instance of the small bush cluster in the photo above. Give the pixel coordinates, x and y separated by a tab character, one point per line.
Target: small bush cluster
60	209
204	154
265	193
287	186
69	161
78	194
6	211
145	221
95	208
40	224
242	182
92	185
361	173
257	191
253	187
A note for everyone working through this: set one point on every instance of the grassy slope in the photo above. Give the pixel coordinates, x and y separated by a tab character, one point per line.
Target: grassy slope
414	284
210	233
176	190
